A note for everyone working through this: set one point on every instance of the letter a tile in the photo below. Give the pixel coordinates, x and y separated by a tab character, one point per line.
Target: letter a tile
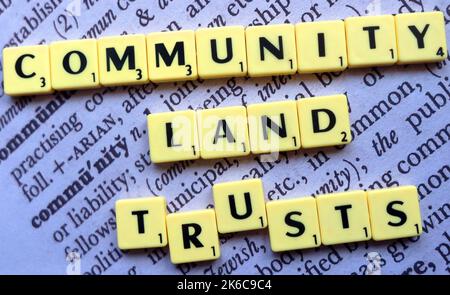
394	213
193	236
141	223
239	205
223	132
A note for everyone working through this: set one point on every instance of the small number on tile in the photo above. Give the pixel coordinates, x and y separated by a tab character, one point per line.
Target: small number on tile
189	70
262	221
139	74
43	82
344	136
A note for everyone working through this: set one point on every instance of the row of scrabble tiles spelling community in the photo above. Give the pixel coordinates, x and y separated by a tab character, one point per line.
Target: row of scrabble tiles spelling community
297	223
257	128
226	51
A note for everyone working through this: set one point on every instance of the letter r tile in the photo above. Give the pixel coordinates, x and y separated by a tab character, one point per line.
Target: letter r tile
193	236
141	223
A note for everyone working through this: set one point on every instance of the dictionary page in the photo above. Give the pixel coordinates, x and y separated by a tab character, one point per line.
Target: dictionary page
66	158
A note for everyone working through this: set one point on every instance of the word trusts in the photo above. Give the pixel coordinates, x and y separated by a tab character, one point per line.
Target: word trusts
257	128
226	51
297	223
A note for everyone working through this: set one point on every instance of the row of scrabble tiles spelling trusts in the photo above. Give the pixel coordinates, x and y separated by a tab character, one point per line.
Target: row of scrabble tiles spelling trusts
298	223
257	128
226	51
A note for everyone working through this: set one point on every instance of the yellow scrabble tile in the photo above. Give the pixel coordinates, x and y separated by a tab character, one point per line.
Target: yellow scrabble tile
293	224
221	52
223	132
371	41
273	127
122	60
173	136
343	217
324	121
74	64
421	37
321	46
26	70
193	236
271	50
171	56
239	205
394	213
141	223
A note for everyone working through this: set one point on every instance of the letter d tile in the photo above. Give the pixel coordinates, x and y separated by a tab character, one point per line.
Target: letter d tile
324	121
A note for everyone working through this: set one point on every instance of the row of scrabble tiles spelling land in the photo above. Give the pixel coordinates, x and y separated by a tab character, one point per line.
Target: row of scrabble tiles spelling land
227	51
257	128
297	223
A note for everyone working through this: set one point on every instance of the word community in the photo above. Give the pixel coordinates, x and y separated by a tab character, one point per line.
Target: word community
294	224
232	51
257	128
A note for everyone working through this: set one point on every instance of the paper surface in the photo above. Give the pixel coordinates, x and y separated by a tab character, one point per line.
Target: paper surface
409	104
